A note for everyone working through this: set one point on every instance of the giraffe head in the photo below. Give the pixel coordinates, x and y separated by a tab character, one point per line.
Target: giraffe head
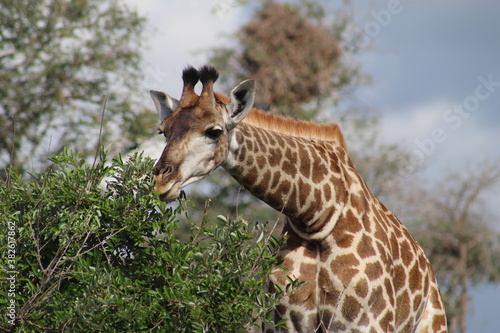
197	128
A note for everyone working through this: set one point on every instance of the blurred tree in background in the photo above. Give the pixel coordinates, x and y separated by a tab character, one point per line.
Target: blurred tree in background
59	61
456	230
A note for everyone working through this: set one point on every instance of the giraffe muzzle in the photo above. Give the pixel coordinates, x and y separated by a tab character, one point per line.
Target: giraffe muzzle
167	183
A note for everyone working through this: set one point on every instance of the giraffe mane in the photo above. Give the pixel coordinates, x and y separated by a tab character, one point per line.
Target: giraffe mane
284	125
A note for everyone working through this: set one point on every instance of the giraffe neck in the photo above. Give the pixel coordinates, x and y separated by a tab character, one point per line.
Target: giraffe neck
304	179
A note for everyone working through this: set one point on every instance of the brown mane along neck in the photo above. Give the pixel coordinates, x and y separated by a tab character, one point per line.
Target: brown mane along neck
288	126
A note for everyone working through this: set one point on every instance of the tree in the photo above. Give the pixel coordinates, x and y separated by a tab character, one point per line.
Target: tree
293	55
457	232
90	248
60	60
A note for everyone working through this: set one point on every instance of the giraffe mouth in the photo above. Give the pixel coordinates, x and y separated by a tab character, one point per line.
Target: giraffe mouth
168	192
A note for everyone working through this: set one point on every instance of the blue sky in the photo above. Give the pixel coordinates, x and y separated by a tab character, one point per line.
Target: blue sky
430	57
427	59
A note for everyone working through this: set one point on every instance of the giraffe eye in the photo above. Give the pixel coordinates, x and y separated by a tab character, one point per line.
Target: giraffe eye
213	133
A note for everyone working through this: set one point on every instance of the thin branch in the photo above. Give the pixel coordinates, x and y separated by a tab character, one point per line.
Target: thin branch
100	132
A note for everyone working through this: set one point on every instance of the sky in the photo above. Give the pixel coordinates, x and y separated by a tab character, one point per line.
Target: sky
435	68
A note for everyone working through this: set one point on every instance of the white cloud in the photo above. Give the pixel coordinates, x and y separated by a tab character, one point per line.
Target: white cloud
413	122
179	30
424	131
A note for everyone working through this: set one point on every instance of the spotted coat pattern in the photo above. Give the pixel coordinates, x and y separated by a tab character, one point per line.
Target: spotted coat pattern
363	270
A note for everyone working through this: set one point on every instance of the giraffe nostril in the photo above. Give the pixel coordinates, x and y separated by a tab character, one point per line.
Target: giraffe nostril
163	170
167	170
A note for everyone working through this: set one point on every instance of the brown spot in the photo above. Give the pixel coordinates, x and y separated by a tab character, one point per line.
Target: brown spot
399	280
374	270
308	271
398	232
389	290
427	280
319	171
251	176
330	295
310	250
289	167
377	302
386	322
350	308
380	232
364	320
365	247
395	247
345	268
367	223
284	188
305	162
404	306
409	327
304	189
264	182
291	155
435	298
265	139
315	206
326	317
417	302
337	326
423	262
406	253
415	278
328	192
354	225
261	162
357	202
240	138
242	154
383	252
438	322
362	288
274	157
257	140
275	179
281	310
305	296
335	167
272	141
281	142
296	318
342	238
408	236
339	187
263	149
313	319
291	203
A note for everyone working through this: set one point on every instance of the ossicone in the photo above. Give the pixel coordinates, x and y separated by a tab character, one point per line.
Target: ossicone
208	73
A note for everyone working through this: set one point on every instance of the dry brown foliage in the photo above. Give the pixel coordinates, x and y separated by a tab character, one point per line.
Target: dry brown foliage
292	59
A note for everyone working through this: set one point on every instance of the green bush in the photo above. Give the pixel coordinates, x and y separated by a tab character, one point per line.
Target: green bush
80	256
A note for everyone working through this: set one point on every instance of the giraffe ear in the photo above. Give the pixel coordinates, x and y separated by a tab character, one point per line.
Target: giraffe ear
241	102
164	104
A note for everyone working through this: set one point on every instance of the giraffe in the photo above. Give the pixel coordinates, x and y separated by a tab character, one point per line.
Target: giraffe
361	268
